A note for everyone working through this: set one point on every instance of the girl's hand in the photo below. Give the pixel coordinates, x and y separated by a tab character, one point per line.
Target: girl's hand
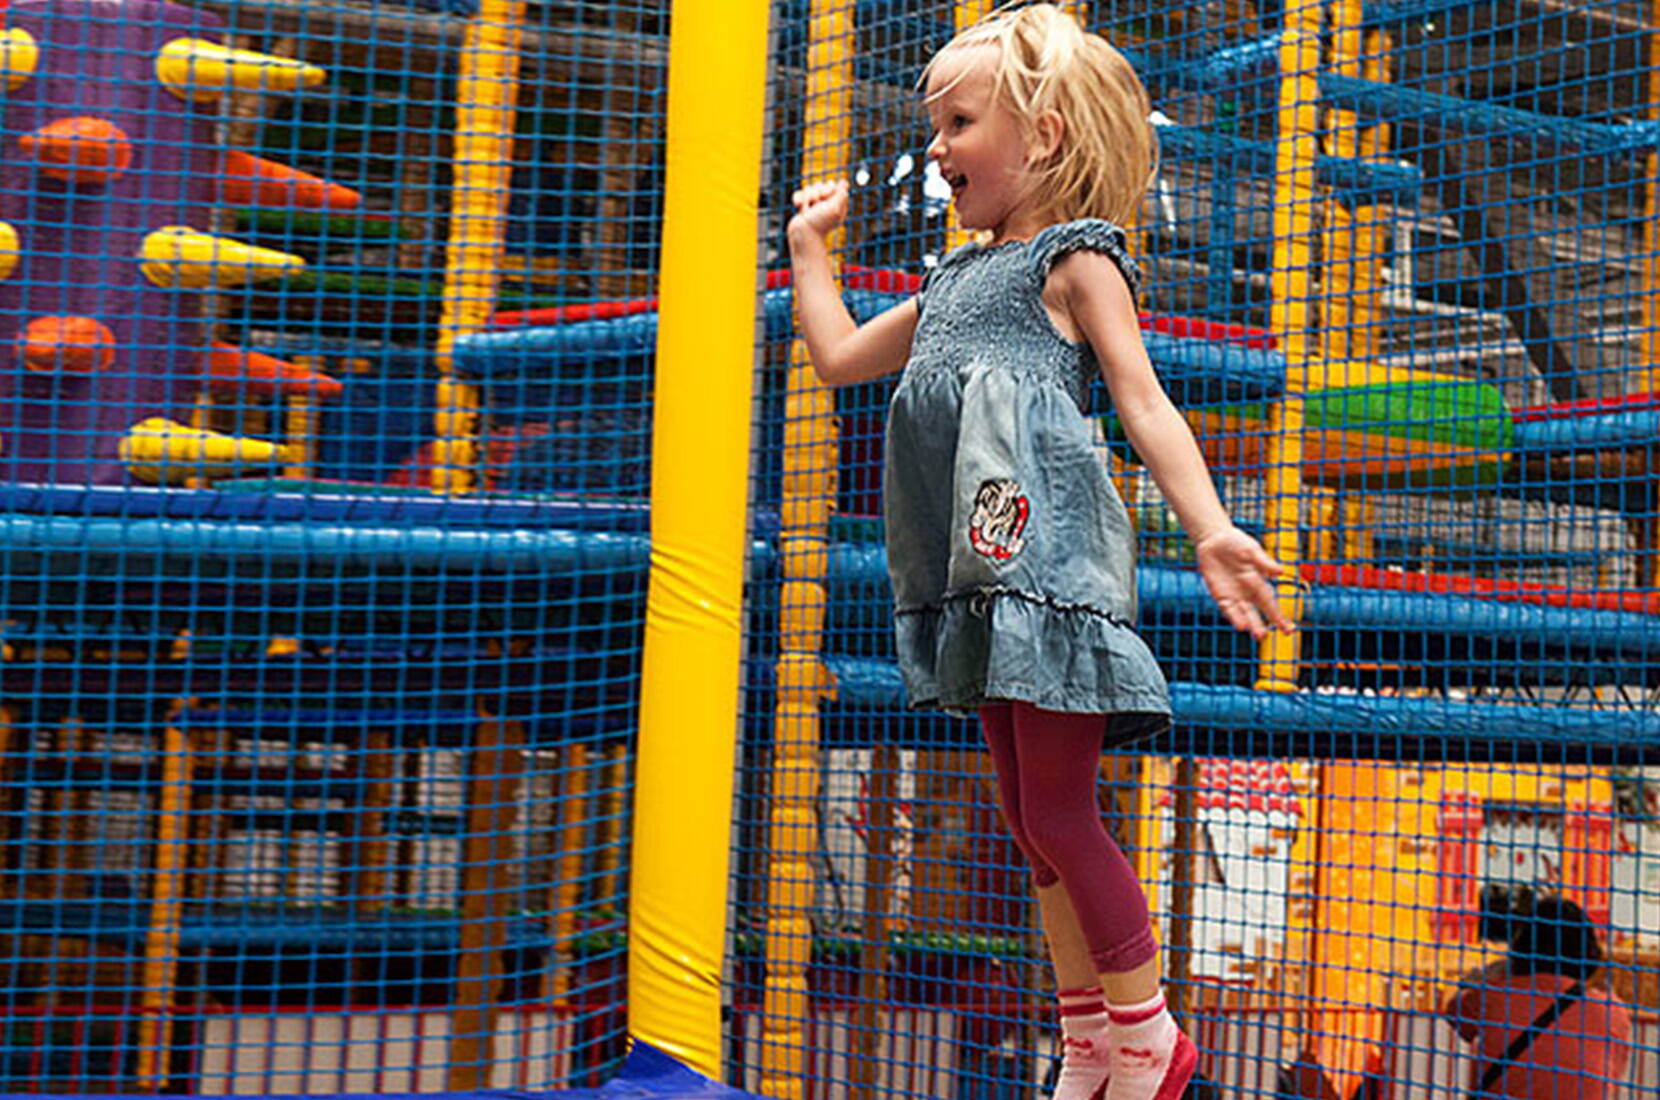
1236	570
820	207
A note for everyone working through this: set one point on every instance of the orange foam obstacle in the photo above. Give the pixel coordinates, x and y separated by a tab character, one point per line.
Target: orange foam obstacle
79	150
70	344
240	370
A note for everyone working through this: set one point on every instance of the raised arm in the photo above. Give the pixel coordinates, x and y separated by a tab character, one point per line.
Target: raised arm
1089	289
843	351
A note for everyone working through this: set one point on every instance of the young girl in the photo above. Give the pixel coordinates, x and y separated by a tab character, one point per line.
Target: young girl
1012	557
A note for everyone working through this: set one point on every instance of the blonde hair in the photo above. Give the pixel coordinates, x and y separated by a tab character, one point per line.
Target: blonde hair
1108	153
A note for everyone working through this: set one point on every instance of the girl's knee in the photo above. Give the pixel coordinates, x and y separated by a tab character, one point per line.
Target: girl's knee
1053	841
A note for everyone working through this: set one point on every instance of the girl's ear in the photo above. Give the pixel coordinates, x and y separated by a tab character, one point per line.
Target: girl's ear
1048	128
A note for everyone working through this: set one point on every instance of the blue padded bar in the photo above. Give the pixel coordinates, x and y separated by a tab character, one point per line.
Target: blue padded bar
1230	370
1395	104
1212	369
227	926
325	720
1601	431
62	543
867	683
322	502
1627	634
1169	594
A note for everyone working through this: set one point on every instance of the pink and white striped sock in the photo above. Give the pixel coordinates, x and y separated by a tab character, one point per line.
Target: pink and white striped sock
1086	1055
1151	1058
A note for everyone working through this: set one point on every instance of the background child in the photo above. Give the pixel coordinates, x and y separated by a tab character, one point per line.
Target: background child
1579	1033
1011	555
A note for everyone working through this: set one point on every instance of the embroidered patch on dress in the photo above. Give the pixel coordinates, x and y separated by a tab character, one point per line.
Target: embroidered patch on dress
999	518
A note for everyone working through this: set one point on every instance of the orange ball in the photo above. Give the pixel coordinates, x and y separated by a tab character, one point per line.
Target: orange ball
80	150
66	343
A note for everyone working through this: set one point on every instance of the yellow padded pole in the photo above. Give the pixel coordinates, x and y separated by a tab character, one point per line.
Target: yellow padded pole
1649	576
1292	286
1651	210
809	488
1354	242
700	479
487	97
159	970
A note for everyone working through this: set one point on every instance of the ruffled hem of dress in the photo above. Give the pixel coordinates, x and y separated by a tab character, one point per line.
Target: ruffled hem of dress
981	646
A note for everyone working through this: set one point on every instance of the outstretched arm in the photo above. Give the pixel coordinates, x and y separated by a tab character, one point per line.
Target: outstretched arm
1234	565
843	351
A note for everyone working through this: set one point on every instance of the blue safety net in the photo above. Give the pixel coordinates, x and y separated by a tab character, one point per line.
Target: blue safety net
321	648
325	462
1399	270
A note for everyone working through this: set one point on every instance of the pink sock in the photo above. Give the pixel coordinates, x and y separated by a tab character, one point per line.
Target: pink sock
1086	1055
1151	1058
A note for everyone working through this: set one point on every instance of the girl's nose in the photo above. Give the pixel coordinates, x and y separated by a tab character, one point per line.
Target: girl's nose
936	147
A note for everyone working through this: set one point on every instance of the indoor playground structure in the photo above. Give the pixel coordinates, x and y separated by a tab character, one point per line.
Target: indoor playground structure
444	624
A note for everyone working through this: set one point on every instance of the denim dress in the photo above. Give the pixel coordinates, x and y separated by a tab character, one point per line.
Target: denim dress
1011	555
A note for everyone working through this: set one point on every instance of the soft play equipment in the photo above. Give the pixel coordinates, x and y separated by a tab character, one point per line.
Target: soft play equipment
113	174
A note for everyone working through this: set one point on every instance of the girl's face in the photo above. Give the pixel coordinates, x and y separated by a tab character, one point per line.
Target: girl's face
980	147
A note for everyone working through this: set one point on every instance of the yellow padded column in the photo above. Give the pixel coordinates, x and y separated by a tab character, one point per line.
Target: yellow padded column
487	97
699	489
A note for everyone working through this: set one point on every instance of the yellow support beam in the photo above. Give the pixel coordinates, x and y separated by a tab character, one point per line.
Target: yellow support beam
809	491
1352	286
1651	215
487	97
1291	319
159	970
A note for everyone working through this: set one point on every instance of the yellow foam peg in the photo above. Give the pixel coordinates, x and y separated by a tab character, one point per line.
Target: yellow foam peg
200	70
19	57
164	452
179	256
10	249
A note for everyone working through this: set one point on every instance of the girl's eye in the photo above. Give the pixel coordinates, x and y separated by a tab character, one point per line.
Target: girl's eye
959	121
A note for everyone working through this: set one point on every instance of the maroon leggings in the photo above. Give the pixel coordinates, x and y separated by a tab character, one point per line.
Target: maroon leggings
1047	764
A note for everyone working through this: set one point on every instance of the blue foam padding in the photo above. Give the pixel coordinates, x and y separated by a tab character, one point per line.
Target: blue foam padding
321	718
646	1074
1205	369
338	549
1230	371
1599	431
1171	594
1626	634
65	542
128	921
868	683
323	502
650	1074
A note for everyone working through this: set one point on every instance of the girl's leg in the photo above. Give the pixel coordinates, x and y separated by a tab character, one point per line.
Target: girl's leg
1058	757
1086	1043
1058	760
1086	1053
